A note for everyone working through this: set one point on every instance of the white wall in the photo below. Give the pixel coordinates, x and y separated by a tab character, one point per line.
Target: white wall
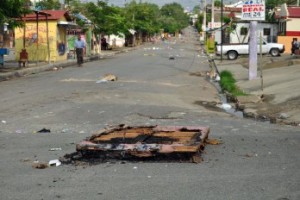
293	24
119	40
235	36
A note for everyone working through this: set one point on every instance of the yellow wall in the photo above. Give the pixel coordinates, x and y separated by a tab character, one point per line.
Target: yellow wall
287	41
39	51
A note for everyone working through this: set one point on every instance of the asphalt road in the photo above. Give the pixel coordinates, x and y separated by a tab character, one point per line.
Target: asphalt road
256	160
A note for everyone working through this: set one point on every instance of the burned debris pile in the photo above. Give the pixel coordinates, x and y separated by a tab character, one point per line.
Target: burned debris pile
181	143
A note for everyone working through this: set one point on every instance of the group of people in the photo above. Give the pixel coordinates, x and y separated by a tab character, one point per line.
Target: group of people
295	46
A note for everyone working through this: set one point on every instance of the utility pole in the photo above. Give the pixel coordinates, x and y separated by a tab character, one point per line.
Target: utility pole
204	21
253	16
253	51
221	41
212	16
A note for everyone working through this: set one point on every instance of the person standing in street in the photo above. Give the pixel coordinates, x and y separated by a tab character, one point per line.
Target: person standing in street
79	46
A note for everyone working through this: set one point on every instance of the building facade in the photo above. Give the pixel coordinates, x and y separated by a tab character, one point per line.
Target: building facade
44	38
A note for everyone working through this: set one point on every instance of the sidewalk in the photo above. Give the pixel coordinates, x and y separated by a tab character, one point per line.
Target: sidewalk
277	98
11	68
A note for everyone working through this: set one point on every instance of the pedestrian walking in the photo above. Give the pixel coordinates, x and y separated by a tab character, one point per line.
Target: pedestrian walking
79	46
295	46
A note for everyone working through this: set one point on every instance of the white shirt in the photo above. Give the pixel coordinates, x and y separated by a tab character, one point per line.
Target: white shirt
79	44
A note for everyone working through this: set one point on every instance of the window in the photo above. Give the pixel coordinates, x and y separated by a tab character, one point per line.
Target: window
244	31
267	31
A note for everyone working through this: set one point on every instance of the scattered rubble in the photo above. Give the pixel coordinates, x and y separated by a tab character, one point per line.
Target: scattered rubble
39	165
283	116
19	131
146	54
44	130
213	141
55	163
55	149
108	77
201	74
224	106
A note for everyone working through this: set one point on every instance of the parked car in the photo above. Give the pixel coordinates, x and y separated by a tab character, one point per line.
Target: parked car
234	50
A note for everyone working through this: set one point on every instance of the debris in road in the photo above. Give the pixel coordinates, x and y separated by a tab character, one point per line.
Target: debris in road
44	130
39	165
213	141
201	74
18	131
65	130
121	142
171	58
283	116
225	106
55	163
3	122
249	155
25	160
108	77
56	149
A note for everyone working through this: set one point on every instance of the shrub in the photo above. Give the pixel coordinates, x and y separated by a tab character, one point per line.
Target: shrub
228	83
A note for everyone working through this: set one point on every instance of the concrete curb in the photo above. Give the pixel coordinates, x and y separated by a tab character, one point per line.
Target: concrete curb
68	63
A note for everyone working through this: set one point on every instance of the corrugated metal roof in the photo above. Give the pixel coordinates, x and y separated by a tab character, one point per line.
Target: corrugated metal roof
54	15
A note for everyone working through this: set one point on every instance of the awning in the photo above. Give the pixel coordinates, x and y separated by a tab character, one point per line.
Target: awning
83	18
65	23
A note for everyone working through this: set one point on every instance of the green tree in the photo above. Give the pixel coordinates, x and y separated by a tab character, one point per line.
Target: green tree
75	6
196	9
48	5
175	11
218	4
143	17
11	10
270	4
107	19
199	22
169	24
